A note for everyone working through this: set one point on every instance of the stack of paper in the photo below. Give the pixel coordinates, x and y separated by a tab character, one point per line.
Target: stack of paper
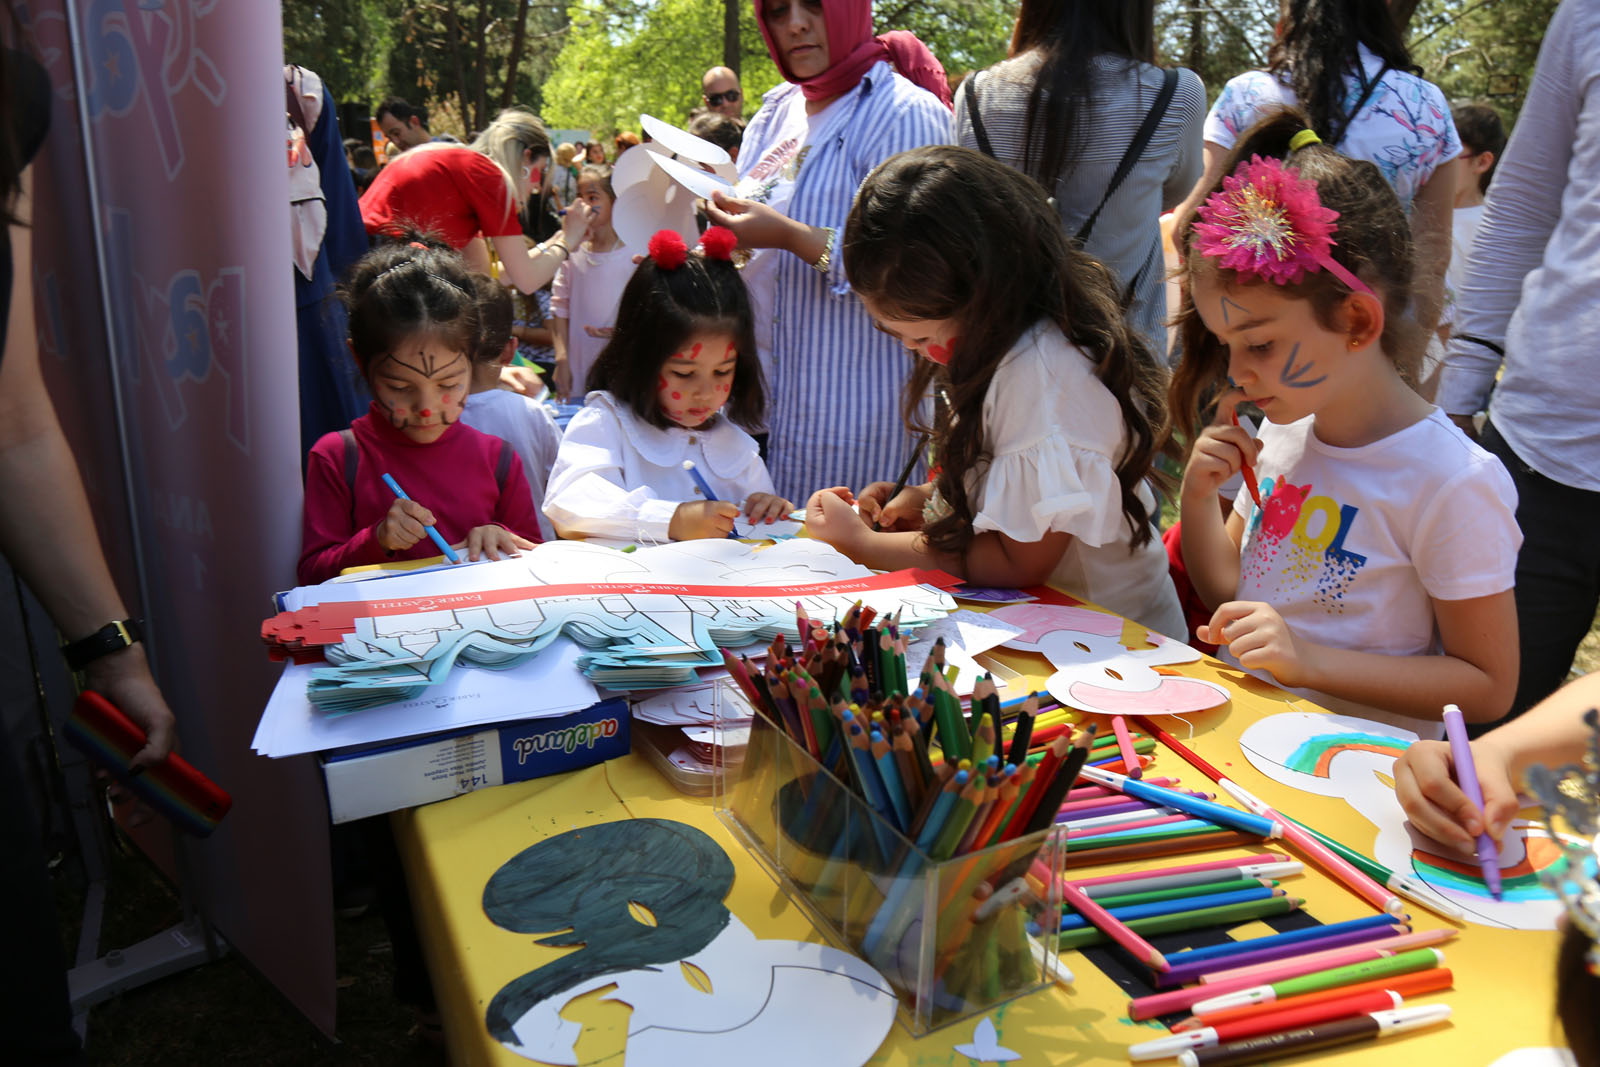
648	619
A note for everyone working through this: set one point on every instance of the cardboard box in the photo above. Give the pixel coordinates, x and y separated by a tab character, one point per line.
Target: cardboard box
373	779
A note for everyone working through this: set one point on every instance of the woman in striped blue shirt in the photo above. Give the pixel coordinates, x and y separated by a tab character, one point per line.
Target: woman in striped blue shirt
833	380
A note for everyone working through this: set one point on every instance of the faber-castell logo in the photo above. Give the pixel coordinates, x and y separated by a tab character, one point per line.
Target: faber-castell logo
583	735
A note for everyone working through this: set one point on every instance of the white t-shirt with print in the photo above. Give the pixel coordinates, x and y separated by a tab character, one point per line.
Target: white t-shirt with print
1404	127
1463	228
1355	543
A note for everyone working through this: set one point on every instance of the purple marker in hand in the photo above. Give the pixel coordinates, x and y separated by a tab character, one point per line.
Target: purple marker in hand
1455	728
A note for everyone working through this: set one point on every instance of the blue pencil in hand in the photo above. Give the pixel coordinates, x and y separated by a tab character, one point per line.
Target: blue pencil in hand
438	539
705	486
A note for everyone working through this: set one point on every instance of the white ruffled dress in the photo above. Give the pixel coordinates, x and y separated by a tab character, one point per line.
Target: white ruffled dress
1054	434
619	476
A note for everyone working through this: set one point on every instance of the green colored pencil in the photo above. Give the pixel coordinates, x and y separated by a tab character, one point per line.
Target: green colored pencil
1226	915
1151	896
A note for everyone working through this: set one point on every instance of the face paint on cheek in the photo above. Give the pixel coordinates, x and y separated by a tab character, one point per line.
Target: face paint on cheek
941	354
1291	375
677	396
425	412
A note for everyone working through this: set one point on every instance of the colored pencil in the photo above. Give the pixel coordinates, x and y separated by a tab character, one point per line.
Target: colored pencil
1249	474
1189	920
1184	880
1260	825
1193	969
1413	889
1186	868
1309	933
1152	849
1150	896
438	538
1079	833
1466	772
1380	897
1333	957
1129	912
1326	1035
1187	828
1114	928
1119	727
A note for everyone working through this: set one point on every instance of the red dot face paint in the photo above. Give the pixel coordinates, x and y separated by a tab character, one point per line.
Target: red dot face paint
677	396
425	412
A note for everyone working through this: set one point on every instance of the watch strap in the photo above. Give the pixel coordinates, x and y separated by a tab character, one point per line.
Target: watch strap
112	637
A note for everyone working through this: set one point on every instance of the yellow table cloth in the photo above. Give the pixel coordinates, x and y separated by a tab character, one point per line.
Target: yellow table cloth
1504	979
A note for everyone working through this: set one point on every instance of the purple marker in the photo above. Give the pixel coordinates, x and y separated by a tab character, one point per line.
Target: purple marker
1455	728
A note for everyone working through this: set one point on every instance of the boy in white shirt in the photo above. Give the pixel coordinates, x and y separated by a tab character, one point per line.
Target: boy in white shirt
1483	138
521	421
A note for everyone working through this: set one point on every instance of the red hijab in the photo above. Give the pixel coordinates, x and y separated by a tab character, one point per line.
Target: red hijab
853	50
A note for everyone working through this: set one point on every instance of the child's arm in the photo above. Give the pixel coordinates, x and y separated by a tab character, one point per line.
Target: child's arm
991	558
561	377
1550	733
1210	543
1477	669
587	496
327	544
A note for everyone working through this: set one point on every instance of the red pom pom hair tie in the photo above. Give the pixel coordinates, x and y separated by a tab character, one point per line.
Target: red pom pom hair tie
718	242
667	249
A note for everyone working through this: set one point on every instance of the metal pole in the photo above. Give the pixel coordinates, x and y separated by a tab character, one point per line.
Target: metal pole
113	342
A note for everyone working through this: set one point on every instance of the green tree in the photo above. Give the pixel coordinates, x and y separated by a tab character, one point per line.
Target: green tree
345	41
1481	50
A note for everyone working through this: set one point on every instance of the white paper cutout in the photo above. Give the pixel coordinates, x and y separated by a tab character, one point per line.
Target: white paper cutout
966	634
1343	756
985	1046
649	200
1096	673
766	999
1537	1057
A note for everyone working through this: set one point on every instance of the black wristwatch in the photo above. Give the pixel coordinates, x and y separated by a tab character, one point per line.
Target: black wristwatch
112	637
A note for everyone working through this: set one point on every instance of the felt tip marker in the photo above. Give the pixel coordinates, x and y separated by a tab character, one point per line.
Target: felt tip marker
1416	960
1317	1036
438	539
1455	728
1211	1036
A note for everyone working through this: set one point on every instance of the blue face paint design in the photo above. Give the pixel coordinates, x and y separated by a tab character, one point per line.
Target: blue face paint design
1229	308
582	882
1291	375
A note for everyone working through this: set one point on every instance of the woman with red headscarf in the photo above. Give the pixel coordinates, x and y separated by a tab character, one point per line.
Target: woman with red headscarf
850	101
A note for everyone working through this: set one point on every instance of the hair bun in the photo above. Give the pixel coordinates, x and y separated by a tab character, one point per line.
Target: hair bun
718	242
667	249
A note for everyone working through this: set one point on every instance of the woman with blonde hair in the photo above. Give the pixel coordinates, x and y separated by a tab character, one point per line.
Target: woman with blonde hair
468	198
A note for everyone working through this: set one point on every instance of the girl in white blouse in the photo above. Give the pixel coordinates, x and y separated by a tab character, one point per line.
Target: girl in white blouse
660	423
1051	409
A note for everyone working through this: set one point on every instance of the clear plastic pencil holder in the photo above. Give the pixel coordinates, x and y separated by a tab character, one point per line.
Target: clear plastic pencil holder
950	937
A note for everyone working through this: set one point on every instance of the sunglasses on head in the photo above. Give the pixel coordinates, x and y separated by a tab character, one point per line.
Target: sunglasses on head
731	96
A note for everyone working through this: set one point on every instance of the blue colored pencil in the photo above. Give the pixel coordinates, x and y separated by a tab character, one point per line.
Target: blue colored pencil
705	486
444	546
892	783
1310	933
1249	822
1178	904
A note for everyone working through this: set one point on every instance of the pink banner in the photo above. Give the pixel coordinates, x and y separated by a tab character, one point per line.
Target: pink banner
189	285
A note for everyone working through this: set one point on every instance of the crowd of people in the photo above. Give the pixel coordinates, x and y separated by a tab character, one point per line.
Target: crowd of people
974	276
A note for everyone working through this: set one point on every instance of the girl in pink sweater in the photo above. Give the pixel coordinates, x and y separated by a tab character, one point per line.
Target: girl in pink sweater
413	326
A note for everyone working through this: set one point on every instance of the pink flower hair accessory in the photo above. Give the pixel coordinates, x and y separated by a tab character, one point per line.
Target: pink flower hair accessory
1269	222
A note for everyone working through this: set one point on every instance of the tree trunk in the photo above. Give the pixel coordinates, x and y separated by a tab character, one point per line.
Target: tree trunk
453	27
1197	40
731	52
519	36
480	77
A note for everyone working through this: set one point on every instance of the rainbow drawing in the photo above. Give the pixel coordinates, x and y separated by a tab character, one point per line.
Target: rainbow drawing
1314	754
1519	883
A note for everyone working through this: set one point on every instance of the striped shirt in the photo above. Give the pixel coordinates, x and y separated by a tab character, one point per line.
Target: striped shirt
837	380
1127	235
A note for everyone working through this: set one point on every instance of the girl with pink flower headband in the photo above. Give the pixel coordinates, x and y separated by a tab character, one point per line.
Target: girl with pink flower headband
1370	565
660	451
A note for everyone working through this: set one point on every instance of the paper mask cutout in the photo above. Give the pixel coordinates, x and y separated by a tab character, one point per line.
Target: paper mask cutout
650	618
1353	759
649	200
680	142
1096	672
591	884
985	1046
